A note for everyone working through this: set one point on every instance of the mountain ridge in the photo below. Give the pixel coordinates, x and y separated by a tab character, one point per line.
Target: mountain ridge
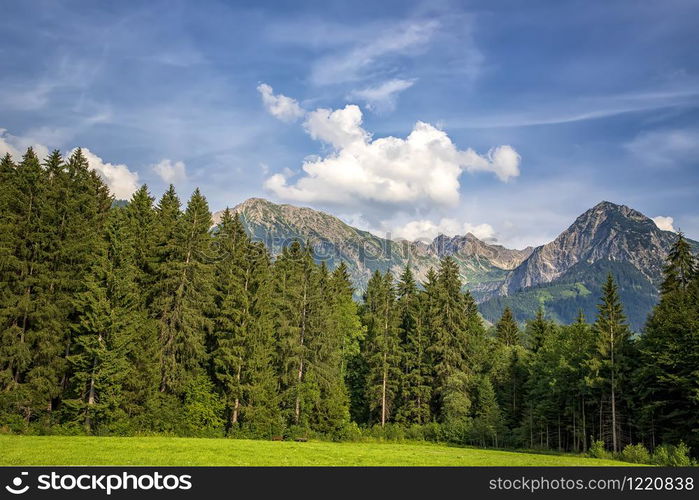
561	276
276	225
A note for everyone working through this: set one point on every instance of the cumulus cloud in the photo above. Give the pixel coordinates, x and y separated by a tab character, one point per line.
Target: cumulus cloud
170	172
17	146
122	182
280	106
340	128
382	97
421	170
664	223
428	230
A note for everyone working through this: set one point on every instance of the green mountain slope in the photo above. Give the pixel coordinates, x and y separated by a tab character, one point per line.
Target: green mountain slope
579	289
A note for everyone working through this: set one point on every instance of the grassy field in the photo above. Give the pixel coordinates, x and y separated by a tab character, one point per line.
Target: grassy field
161	451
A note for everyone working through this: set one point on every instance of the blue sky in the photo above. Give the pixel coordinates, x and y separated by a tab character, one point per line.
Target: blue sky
507	118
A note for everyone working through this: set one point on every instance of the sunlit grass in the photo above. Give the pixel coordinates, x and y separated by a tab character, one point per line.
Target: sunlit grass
162	451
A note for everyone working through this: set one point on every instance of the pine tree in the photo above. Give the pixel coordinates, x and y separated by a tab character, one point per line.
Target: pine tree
382	347
416	390
183	295
680	269
242	350
612	344
668	371
488	420
110	336
330	413
29	326
506	330
457	337
298	302
345	333
344	315
537	330
141	223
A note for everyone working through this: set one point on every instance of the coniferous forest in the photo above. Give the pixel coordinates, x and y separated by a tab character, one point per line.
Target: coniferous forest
145	318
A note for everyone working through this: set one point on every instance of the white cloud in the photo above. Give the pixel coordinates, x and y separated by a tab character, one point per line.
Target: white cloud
421	170
428	230
382	97
170	172
340	128
17	146
402	39
280	106
122	182
664	223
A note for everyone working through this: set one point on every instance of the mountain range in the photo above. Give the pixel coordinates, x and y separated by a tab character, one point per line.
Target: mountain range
563	276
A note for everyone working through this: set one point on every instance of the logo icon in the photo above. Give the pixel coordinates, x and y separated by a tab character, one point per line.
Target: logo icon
17	483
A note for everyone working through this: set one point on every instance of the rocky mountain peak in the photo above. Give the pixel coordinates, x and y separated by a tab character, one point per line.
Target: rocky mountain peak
607	231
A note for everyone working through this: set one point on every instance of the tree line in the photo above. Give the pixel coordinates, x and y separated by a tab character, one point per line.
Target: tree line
144	317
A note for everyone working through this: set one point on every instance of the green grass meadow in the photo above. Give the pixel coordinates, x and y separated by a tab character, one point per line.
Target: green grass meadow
164	451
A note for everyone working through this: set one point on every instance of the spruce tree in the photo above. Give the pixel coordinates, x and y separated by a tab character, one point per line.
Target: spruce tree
416	386
242	350
488	419
667	374
537	330
609	359
506	329
30	341
680	269
331	408
457	340
382	347
344	315
579	341
111	336
183	294
141	223
80	204
298	302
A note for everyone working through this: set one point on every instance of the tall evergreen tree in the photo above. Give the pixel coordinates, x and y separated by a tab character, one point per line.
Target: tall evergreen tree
382	347
537	330
506	330
669	368
183	294
111	335
299	304
344	315
242	350
331	407
612	344
416	390
457	339
141	224
681	267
